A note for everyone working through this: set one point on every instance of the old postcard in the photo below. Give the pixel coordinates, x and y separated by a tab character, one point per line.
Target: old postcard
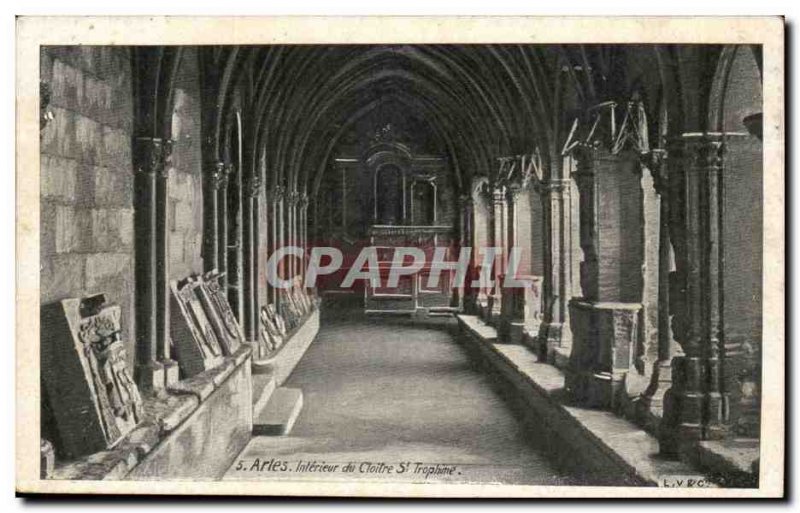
400	257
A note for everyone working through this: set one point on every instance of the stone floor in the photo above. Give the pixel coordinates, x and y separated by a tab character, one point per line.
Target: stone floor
401	401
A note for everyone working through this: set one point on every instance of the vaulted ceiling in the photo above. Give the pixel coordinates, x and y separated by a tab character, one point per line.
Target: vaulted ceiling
479	101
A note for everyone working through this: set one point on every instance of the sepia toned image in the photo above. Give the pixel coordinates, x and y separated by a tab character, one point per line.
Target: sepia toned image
408	258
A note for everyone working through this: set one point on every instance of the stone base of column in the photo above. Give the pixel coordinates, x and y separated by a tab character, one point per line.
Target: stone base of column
604	338
494	311
554	343
651	405
171	372
149	377
691	415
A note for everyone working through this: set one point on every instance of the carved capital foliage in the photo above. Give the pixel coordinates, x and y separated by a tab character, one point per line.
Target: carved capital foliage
276	194
704	151
656	161
219	175
152	156
254	185
303	200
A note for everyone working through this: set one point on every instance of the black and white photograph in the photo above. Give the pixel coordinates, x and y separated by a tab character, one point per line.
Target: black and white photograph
419	266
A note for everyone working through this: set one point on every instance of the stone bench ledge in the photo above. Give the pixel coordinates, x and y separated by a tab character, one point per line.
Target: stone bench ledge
620	441
162	415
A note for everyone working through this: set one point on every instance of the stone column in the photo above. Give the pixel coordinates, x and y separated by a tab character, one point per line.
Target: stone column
280	236
255	191
291	233
249	205
162	266
213	175
273	199
695	408
223	174
605	320
480	238
302	204
148	155
661	373
468	294
508	296
555	334
499	239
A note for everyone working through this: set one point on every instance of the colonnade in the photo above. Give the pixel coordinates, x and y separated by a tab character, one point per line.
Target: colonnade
645	336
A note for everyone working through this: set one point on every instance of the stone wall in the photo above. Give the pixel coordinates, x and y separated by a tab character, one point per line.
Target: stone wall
185	207
743	244
86	207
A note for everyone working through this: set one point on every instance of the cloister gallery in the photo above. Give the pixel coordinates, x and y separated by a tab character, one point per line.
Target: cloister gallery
627	177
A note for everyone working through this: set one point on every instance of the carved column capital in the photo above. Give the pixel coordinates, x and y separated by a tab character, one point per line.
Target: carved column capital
512	191
292	198
302	200
656	161
276	194
704	151
497	194
219	175
254	185
152	156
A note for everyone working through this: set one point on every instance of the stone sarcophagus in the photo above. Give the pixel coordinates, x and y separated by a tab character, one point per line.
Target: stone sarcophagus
194	339
93	400
605	335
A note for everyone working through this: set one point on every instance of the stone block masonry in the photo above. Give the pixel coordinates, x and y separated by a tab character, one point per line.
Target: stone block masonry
86	171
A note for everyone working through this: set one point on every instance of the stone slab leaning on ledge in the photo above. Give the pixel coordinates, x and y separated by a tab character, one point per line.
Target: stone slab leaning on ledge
163	416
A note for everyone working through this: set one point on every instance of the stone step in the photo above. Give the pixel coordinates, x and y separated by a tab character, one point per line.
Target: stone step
263	387
280	413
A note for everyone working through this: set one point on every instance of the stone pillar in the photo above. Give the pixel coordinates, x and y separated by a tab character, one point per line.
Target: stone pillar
272	240
249	213
148	155
660	377
468	294
213	176
255	192
169	365
280	234
480	238
695	408
605	321
303	203
509	297
224	172
291	234
523	309
555	334
499	239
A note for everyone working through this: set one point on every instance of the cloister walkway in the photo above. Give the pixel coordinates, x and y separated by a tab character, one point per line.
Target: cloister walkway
395	390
